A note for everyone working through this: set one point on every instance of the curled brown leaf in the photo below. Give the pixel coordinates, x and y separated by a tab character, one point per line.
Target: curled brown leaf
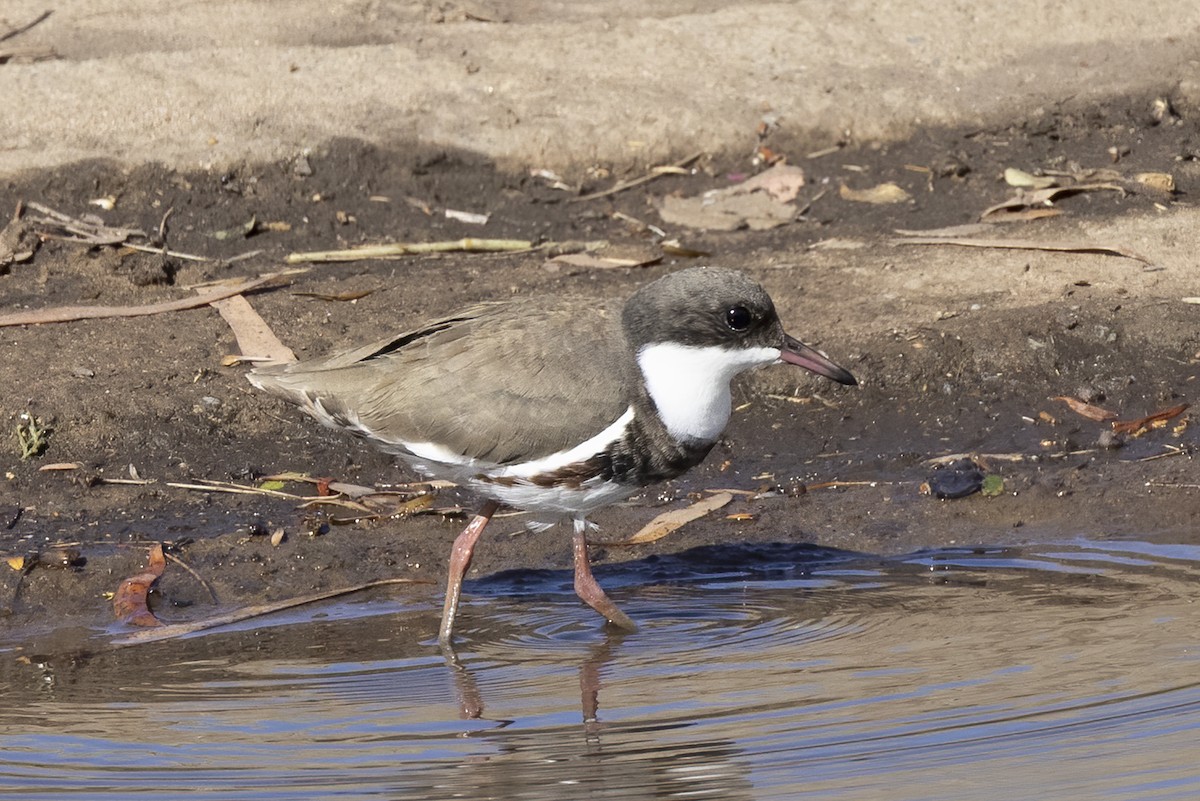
1086	409
129	602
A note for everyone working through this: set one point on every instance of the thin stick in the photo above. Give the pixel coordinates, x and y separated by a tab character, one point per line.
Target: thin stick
175	630
236	489
1174	451
1026	244
162	227
175	254
63	314
410	248
1006	457
4	37
840	484
211	592
657	172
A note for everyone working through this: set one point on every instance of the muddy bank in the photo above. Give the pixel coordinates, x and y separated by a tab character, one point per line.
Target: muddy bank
958	350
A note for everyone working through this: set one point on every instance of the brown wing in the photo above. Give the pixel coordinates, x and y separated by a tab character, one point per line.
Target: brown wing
502	383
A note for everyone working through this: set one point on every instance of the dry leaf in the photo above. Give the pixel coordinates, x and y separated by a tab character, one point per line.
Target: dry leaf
838	243
16	563
608	259
1026	244
724	212
1021	214
1029	200
782	182
129	602
64	314
878	195
1086	409
667	522
254	336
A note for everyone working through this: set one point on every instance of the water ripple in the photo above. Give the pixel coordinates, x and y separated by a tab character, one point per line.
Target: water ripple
1066	670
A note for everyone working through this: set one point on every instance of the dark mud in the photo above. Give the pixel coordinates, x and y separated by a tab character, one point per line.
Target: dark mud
149	397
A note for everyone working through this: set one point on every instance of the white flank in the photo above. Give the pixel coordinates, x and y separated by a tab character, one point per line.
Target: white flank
433	459
690	385
580	453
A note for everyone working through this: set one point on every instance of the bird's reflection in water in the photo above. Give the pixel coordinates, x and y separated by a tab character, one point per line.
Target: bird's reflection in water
592	759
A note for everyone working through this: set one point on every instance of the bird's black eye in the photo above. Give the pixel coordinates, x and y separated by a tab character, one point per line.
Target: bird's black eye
739	318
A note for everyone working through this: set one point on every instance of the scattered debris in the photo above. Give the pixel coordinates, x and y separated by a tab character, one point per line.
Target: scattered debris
130	602
667	522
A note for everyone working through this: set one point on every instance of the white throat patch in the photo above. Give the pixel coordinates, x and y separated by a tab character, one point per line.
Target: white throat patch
690	385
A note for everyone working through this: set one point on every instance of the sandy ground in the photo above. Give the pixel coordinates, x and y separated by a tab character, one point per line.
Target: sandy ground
331	126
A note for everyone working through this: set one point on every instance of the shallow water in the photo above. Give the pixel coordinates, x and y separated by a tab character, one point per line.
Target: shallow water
1064	670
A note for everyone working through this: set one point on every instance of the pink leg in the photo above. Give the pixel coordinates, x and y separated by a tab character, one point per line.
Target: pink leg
460	560
587	588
